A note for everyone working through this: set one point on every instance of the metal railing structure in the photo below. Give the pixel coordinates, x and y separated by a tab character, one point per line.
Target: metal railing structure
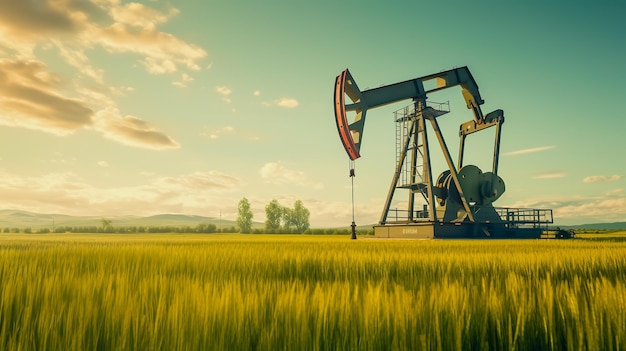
512	217
525	217
402	216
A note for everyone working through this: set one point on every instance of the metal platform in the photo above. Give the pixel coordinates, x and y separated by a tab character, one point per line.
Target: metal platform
520	223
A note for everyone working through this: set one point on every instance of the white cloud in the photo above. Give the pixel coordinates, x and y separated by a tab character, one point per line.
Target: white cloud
159	66
615	192
217	133
225	93
103	164
230	132
115	27
30	20
339	214
67	193
78	59
282	102
32	96
610	207
549	176
605	209
527	151
185	79
138	15
256	93
277	173
162	52
131	130
286	102
601	179
60	159
223	90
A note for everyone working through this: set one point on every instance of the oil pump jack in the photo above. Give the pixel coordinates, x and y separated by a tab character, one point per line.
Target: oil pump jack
459	202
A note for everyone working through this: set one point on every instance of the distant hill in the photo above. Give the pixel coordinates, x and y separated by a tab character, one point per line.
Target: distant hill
597	226
24	219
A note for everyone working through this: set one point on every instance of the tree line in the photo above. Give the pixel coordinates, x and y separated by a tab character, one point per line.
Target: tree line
200	229
279	220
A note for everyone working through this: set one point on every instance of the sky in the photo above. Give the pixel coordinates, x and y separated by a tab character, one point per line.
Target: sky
115	108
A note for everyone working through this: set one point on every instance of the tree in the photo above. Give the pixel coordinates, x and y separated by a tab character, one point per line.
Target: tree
287	219
299	217
107	225
273	216
244	220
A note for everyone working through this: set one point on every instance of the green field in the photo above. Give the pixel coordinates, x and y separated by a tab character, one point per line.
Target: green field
242	292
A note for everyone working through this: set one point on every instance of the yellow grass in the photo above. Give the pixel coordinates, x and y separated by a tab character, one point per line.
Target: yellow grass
199	292
603	235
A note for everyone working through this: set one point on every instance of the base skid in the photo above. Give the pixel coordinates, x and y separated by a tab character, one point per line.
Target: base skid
440	230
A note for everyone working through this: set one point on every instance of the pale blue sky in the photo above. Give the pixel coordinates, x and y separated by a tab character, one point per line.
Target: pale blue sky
118	108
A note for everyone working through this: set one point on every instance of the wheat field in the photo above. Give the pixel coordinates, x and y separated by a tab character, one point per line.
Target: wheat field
264	292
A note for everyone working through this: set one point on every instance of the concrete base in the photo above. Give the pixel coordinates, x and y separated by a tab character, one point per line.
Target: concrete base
465	230
408	231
